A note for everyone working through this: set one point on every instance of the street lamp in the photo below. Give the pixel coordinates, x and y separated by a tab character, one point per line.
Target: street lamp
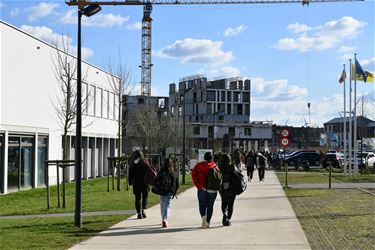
87	11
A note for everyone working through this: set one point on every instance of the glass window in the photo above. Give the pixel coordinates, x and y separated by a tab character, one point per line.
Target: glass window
42	156
20	162
231	131
210	96
84	98
91	100
1	163
222	96
110	106
229	96
98	102
105	104
247	131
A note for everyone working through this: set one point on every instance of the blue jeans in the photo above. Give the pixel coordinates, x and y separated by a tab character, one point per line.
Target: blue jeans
206	203
165	204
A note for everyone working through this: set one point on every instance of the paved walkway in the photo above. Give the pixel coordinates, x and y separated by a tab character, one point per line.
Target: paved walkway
263	219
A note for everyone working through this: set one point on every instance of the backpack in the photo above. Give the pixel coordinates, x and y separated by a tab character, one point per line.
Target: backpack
150	175
214	179
162	184
262	161
238	183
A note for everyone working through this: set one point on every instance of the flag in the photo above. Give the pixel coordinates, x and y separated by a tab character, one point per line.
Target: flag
342	77
369	76
359	70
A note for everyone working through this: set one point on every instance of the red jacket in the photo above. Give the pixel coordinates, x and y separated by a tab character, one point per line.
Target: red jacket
200	172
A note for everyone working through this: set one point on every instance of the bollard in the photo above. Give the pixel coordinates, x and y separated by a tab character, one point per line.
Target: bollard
330	175
286	174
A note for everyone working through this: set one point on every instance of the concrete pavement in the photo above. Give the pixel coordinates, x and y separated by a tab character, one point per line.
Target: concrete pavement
263	219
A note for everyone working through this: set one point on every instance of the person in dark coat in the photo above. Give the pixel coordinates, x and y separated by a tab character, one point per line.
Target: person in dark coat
137	172
227	195
165	200
250	163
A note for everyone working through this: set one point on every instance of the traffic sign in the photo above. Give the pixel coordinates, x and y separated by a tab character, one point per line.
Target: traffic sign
284	132
285	142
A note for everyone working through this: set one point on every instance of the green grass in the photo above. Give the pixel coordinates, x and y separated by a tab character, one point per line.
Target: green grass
60	233
321	176
51	233
336	218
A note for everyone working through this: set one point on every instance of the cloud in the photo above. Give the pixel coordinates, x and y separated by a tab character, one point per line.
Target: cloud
14	12
368	64
41	10
298	28
224	71
235	31
134	26
99	20
324	37
191	50
46	34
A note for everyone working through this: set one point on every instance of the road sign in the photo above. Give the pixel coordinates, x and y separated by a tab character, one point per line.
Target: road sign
285	142
284	132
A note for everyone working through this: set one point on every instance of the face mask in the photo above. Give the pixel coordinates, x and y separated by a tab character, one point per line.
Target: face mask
137	160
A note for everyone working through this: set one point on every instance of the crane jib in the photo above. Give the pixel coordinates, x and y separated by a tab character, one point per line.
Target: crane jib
187	2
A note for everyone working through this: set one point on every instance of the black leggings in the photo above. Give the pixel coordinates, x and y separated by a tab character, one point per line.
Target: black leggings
261	170
250	170
138	195
227	206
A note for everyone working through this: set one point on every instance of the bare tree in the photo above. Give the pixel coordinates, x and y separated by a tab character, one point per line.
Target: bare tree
65	67
120	82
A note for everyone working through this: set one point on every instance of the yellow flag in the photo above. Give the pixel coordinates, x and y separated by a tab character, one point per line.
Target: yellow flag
370	76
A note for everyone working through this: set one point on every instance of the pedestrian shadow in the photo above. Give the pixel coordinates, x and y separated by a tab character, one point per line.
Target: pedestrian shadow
144	230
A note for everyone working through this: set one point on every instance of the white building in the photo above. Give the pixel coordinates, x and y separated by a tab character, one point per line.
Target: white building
29	131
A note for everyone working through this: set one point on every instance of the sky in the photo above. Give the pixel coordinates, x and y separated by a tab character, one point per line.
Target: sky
293	54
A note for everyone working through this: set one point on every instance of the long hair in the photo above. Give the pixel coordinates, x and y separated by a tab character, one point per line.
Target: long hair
226	163
168	165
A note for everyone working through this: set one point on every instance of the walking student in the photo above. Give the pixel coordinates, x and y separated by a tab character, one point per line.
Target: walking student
137	172
206	196
262	162
250	163
171	183
226	193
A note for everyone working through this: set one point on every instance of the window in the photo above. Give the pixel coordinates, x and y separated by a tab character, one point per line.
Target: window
209	108
194	97
229	109
98	102
105	104
42	156
84	98
141	101
211	96
236	97
229	96
246	96
115	108
222	96
247	131
91	100
231	131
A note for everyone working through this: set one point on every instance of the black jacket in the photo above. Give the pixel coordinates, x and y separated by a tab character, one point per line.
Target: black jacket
226	189
137	174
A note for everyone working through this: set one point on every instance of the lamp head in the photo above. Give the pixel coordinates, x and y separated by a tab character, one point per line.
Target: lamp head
91	10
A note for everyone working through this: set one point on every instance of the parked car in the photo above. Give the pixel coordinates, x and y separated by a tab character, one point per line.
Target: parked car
336	159
310	157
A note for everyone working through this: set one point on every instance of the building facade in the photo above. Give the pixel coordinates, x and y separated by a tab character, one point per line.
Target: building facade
334	129
218	113
30	132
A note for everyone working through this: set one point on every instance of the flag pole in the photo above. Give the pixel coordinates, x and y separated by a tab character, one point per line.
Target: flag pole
344	127
350	119
355	118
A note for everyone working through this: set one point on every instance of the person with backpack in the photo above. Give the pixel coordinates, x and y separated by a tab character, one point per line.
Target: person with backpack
207	179
137	172
250	163
226	191
166	185
262	162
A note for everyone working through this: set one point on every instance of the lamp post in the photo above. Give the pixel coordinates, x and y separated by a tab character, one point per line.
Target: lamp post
183	138
87	11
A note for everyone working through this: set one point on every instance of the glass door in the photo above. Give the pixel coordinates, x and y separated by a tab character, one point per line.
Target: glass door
1	163
42	156
20	162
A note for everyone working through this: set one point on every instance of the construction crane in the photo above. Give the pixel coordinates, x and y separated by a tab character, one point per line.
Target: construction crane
147	23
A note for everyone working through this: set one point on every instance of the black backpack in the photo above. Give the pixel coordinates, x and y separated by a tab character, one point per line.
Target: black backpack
162	184
262	161
238	183
214	179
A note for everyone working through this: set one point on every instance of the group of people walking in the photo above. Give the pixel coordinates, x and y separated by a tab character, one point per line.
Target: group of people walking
209	177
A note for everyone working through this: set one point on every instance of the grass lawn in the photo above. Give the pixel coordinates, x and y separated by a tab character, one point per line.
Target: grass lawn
60	233
321	176
336	218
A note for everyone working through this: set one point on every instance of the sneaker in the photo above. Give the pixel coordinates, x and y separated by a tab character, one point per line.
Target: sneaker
164	223
144	213
224	219
204	222
226	223
139	216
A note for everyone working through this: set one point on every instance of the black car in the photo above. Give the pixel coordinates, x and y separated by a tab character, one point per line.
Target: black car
303	158
336	159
